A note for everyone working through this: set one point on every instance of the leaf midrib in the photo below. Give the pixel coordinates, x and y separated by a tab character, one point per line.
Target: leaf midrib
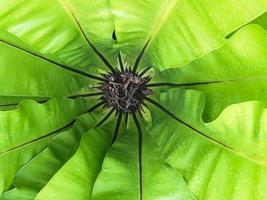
199	132
39	56
255	159
214	82
37	139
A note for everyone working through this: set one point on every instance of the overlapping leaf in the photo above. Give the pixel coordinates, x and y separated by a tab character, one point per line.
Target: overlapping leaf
223	159
25	74
61	162
234	73
43	167
188	28
49	27
80	172
24	132
37	38
120	176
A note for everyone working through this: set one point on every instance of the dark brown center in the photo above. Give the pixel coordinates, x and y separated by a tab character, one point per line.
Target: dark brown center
125	91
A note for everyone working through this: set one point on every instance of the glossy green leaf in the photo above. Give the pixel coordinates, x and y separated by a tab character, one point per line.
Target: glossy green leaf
11	102
120	176
43	167
49	28
98	27
30	75
24	132
80	172
261	20
47	51
223	159
231	74
189	29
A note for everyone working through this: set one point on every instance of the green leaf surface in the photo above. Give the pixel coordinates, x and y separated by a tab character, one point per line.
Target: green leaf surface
48	27
231	74
98	27
119	178
24	132
261	20
36	174
29	75
11	102
209	149
229	152
190	29
78	174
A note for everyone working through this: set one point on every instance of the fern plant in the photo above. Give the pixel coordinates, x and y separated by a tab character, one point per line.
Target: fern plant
133	99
